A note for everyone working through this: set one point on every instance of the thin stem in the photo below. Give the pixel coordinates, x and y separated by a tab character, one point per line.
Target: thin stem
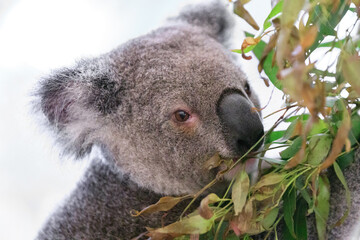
197	195
281	109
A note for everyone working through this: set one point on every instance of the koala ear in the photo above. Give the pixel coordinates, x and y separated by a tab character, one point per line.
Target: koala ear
75	100
213	17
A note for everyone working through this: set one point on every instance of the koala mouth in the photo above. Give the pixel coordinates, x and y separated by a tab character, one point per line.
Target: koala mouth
222	164
250	166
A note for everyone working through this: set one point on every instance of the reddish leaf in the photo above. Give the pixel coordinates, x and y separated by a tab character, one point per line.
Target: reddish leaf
244	14
339	141
204	209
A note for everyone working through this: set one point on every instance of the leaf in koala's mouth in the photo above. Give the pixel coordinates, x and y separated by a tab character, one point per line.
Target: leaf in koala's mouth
164	204
213	162
217	161
230	174
224	164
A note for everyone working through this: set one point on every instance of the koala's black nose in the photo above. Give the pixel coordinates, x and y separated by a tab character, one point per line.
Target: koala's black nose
241	125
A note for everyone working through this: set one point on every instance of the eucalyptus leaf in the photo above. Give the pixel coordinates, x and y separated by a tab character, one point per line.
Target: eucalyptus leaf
240	190
300	186
188	225
292	149
302	117
346	159
270	179
289	131
300	219
275	11
354	135
270	218
273	136
322	206
269	69
319	147
318	128
289	199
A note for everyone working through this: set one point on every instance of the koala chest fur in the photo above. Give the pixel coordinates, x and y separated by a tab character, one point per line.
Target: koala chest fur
158	106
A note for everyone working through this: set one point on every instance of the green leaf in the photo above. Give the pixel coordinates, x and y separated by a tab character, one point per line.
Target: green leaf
287	234
289	199
300	183
346	159
322	207
240	190
337	44
292	149
341	177
270	70
270	218
327	27
270	179
319	147
289	131
188	225
320	127
273	136
275	11
211	234
302	117
326	24
246	50
300	220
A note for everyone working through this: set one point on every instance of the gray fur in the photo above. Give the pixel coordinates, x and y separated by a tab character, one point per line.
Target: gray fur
124	101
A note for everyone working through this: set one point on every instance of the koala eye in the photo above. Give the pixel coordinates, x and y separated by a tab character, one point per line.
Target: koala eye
247	89
181	116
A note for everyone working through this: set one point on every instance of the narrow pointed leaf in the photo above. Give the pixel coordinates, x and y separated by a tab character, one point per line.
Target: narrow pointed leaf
188	225
164	204
289	199
240	190
275	11
322	207
292	149
269	179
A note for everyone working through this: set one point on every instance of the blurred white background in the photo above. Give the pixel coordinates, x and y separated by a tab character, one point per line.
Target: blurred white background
37	36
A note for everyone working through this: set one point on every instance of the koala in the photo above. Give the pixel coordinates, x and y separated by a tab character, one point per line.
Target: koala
158	107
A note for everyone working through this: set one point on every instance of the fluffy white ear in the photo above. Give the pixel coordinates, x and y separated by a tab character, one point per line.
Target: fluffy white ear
214	18
72	99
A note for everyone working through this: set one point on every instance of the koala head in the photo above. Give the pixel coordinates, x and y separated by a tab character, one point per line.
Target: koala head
159	105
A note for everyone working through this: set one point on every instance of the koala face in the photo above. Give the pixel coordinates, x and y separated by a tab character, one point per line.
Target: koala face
159	106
